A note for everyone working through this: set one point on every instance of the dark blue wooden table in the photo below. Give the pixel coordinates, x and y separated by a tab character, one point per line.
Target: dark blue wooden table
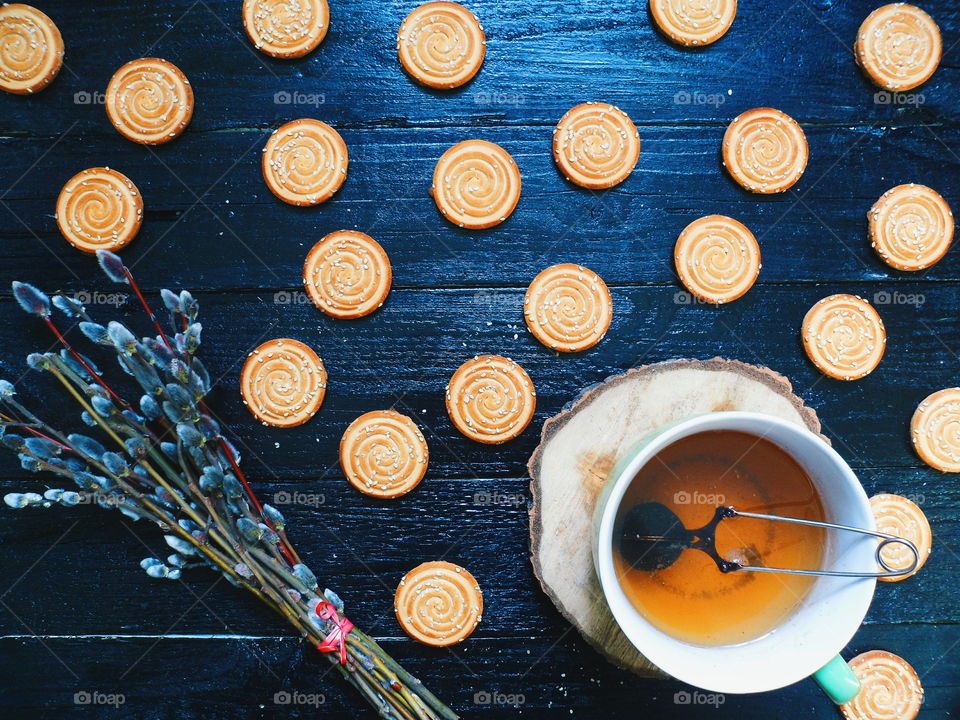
78	615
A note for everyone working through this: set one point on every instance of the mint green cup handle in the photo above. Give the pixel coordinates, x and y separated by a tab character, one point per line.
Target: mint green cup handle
838	681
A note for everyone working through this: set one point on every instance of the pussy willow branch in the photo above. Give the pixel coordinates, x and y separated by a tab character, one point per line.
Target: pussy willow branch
172	466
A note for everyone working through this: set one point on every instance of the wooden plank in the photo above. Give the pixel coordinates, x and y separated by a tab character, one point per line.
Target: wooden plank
242	678
543	57
404	355
88	581
212	224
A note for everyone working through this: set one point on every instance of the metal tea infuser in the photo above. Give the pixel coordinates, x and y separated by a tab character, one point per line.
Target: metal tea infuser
652	537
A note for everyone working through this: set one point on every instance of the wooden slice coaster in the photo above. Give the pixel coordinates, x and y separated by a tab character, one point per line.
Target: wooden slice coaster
579	447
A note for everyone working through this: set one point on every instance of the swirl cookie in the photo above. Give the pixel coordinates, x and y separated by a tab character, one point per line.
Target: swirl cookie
31	49
911	227
149	101
844	337
476	184
305	162
347	274
99	209
896	515
568	308
765	150
889	688
717	258
935	430
286	28
283	383
383	454
441	44
438	603
693	22
490	399
898	46
596	145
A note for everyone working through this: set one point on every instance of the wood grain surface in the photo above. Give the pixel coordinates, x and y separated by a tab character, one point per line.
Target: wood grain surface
77	615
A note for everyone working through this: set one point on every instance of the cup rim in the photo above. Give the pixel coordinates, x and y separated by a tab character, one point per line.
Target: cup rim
639	631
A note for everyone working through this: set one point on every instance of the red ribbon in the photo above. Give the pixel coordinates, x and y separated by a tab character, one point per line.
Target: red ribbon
337	637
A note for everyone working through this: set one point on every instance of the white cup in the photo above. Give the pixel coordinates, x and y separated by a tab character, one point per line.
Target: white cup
808	641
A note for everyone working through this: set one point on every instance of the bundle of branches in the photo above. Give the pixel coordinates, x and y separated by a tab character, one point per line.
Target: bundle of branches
166	461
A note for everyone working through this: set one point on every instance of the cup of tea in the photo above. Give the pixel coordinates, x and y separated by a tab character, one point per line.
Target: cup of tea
740	631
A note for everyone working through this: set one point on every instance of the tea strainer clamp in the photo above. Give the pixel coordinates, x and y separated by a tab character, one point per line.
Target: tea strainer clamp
657	537
885	540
